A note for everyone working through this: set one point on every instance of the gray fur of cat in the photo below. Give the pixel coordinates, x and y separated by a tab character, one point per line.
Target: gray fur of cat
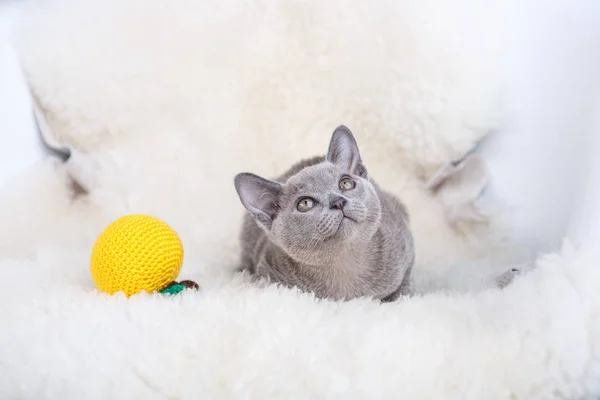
350	239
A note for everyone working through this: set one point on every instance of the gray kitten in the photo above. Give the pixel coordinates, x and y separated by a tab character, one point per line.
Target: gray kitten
325	227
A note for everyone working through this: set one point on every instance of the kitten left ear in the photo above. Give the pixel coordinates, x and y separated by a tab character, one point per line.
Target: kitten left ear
343	151
260	196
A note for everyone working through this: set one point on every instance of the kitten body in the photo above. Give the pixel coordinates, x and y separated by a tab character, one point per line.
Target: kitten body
325	227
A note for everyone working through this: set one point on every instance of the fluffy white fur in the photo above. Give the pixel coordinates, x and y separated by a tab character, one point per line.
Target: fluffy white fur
164	102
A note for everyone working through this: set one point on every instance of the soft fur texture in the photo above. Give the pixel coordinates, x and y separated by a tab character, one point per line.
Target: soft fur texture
165	101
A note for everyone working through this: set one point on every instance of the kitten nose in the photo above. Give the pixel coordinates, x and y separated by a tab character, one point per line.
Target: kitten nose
337	202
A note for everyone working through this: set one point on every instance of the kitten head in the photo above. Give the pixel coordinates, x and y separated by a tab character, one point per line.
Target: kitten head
321	210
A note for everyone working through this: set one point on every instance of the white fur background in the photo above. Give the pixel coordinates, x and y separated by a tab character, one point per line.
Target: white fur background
163	102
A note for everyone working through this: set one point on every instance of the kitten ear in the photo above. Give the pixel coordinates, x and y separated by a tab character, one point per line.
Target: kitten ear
343	151
260	196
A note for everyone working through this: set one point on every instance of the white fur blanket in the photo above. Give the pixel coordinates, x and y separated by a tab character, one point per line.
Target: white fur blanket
163	102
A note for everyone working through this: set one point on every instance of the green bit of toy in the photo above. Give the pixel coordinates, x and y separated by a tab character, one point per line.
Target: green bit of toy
173	289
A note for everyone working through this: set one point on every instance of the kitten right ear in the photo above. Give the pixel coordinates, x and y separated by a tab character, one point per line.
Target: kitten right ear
343	151
260	196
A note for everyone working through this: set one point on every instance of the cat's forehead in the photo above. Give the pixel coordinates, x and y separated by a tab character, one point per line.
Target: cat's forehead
316	177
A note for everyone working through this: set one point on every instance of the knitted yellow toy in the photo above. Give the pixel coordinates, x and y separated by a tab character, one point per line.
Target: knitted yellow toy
137	253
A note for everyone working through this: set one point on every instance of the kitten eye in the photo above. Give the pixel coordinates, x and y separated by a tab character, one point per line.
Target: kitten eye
347	184
305	204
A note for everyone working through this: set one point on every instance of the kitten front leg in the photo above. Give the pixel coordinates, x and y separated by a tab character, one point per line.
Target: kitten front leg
406	288
392	297
246	265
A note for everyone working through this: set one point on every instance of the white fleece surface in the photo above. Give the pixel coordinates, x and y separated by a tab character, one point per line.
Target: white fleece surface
165	101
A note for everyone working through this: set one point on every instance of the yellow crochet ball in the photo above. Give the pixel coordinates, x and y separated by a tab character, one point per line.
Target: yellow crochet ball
136	253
